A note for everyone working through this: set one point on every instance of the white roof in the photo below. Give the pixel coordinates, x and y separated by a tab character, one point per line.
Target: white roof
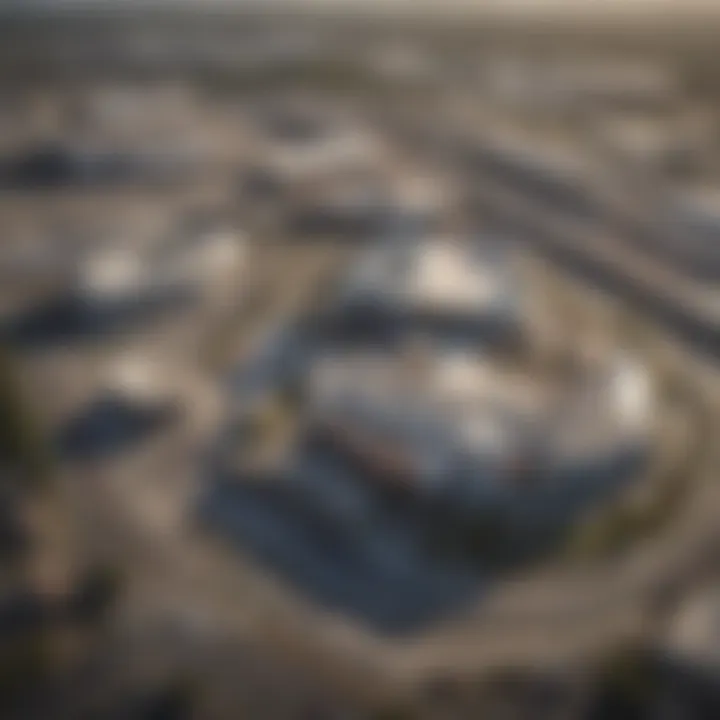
631	393
458	402
454	393
111	273
444	276
138	377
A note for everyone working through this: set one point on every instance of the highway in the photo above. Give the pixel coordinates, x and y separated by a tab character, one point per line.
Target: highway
595	250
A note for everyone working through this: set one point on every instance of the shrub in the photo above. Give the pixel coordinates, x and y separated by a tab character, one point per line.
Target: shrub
96	593
21	445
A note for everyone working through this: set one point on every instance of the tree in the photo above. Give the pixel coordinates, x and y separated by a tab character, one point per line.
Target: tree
22	450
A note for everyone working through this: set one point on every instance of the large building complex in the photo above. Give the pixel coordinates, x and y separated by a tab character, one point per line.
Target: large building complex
411	390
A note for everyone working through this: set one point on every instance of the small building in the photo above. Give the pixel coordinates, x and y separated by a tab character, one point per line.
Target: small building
111	274
443	285
302	154
195	265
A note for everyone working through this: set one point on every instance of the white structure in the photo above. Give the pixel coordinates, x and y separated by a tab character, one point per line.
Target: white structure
444	417
631	395
204	263
209	259
334	151
462	424
140	379
111	274
437	276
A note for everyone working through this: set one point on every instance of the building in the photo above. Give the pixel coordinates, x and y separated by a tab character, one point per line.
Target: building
294	149
442	285
138	398
369	202
458	425
195	264
416	415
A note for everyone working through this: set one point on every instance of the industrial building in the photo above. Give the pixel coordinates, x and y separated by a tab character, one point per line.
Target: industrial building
118	282
458	425
193	262
294	148
367	202
459	288
435	409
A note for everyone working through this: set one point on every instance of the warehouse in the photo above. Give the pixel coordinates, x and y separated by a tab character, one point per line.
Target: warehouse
443	285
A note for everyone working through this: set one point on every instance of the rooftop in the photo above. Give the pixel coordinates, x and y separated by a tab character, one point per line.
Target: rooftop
437	274
338	149
444	404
